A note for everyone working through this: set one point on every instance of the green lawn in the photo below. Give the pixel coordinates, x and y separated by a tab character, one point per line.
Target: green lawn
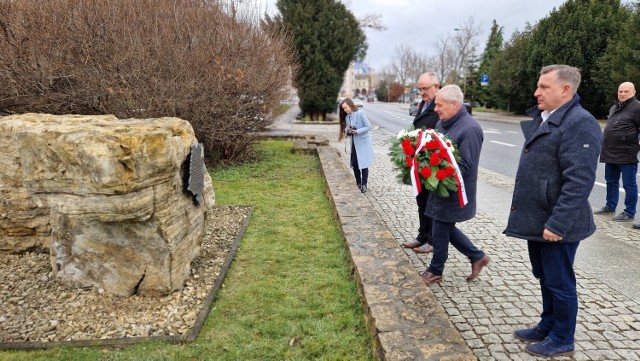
288	294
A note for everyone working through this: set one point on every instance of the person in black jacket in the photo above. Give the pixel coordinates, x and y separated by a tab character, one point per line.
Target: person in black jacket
426	118
619	153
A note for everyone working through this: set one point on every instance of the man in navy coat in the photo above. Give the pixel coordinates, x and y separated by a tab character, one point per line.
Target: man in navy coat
465	132
550	207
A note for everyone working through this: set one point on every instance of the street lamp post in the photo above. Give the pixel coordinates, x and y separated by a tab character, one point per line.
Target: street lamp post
464	68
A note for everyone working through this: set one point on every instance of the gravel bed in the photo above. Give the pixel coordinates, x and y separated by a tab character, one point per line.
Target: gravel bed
33	307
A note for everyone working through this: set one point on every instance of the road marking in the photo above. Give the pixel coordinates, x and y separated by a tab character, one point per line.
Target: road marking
501	143
512	132
492	132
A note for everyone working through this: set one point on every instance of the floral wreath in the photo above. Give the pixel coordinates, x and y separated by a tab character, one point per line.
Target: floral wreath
426	158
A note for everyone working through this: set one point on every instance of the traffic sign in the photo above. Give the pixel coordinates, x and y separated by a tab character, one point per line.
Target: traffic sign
484	79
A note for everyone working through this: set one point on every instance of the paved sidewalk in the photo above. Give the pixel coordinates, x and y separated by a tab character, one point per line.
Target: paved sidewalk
505	296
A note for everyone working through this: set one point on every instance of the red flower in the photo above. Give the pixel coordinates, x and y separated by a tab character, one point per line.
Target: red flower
408	150
406	143
431	145
435	159
409	162
425	172
441	174
450	171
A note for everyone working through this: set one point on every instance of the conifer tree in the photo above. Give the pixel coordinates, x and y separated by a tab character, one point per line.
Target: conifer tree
491	50
575	34
327	37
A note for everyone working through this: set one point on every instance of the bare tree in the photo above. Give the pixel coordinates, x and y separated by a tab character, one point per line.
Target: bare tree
372	21
466	41
408	64
455	51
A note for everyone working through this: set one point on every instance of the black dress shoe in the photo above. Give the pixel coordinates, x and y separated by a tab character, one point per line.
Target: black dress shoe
363	189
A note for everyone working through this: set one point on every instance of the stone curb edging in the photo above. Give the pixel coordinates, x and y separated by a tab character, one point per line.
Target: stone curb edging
123	341
404	318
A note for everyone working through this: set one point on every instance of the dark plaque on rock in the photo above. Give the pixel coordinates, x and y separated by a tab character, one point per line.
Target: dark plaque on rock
196	173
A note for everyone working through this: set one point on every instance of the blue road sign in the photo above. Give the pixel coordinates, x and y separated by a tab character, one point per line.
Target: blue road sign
484	79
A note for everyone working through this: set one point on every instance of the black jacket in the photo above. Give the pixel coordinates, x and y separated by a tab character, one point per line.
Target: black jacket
428	119
622	134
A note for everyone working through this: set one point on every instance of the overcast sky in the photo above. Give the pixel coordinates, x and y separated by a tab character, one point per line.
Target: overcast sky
419	23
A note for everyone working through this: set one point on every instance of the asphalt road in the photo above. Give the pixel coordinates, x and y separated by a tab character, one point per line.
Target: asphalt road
502	143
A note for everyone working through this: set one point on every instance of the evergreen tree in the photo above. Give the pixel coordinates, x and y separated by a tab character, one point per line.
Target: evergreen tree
327	37
576	34
509	83
620	62
491	51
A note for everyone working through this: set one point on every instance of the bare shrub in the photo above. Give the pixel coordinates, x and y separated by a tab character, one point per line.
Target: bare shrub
145	58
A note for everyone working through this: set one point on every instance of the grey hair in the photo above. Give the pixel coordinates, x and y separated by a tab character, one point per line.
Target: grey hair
451	93
565	73
430	75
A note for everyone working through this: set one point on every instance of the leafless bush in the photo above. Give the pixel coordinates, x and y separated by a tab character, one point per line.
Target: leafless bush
144	58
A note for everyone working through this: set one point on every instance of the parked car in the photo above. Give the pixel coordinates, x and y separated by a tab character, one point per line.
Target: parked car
413	107
358	103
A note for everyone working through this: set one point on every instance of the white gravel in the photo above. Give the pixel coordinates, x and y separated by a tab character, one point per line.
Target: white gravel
33	307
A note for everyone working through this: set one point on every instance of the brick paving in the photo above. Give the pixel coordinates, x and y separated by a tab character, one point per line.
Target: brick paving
505	296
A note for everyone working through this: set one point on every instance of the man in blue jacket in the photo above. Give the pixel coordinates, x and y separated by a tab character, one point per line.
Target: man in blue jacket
550	207
465	132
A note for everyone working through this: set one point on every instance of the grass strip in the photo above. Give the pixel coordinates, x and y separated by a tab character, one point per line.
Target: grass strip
288	294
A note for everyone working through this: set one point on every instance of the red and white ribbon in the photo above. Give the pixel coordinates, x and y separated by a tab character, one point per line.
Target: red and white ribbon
415	176
462	193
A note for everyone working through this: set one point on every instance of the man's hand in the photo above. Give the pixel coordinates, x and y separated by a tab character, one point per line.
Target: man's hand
550	236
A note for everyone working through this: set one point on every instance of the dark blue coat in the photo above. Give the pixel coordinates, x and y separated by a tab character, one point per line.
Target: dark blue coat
466	133
555	176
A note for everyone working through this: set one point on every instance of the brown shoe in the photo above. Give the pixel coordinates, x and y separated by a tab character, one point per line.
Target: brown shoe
413	244
429	278
425	248
477	266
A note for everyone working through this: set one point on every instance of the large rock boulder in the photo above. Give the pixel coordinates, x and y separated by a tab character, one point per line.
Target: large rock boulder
105	196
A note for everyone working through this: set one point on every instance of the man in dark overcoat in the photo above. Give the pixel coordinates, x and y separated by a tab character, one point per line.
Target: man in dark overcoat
465	133
426	118
619	153
550	207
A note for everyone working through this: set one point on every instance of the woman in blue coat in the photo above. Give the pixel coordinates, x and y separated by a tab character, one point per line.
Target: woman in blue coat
359	129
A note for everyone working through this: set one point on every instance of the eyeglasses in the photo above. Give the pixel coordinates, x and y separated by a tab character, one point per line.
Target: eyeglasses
421	90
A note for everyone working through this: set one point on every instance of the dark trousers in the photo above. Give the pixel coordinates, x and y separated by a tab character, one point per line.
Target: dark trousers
612	173
443	234
552	264
362	175
424	231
